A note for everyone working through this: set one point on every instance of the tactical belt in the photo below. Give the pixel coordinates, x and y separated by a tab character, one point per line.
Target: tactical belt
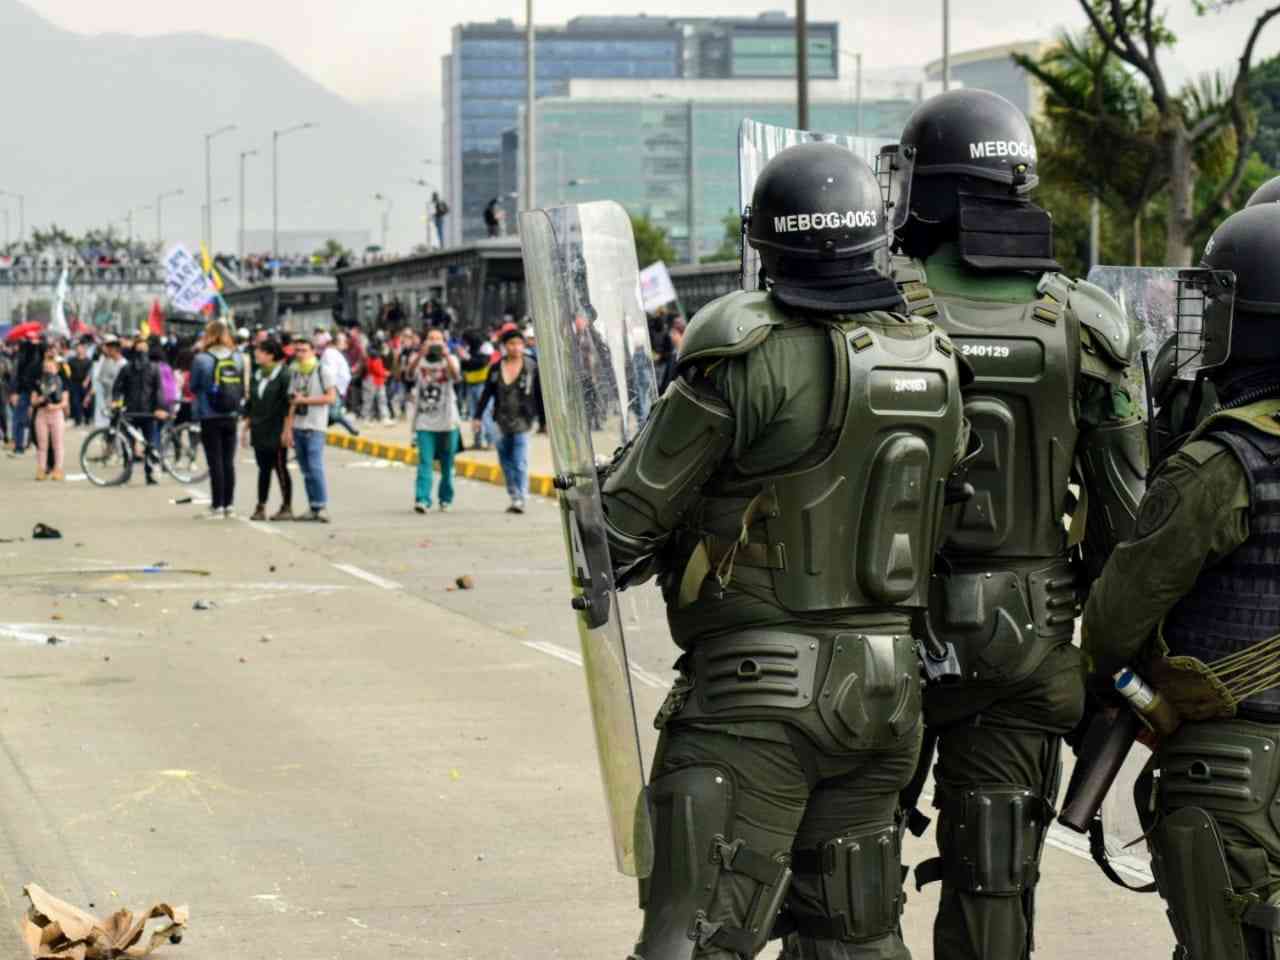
1251	910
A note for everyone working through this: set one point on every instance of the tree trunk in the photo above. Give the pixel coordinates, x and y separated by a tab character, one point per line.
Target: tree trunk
1137	239
1182	185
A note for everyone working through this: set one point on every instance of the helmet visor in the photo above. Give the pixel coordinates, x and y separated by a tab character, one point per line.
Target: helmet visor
1206	304
895	164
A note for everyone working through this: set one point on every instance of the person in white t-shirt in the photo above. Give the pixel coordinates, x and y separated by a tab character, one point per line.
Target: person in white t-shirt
436	420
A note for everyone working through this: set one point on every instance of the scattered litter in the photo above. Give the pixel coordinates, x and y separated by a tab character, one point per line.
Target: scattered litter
203	605
455	775
53	641
104	660
479	858
424	544
465	582
266	638
56	616
158	564
43	531
272	568
13	540
181	500
244	660
55	930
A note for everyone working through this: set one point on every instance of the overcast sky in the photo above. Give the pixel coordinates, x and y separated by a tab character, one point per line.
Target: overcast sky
391	49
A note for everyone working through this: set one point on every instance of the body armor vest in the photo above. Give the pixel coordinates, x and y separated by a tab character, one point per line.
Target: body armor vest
1005	594
1236	602
855	523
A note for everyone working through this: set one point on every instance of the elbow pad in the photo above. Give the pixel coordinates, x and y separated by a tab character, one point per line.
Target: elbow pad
1113	462
660	474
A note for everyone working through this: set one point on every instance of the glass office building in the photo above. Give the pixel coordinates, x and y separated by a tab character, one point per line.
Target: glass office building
485	80
674	162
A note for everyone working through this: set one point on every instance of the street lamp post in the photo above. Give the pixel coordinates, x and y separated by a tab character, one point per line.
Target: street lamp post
419	182
6	228
22	211
386	218
531	93
240	244
946	45
802	65
160	215
208	182
275	181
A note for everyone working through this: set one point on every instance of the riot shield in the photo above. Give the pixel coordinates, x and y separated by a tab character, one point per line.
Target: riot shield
598	385
758	143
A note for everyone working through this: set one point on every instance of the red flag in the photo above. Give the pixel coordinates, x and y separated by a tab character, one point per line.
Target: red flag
155	320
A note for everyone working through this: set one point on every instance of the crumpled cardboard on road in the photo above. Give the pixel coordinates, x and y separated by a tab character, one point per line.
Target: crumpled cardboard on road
55	930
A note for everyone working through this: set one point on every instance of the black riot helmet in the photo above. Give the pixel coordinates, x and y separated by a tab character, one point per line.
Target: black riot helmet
1269	192
974	167
1229	306
817	220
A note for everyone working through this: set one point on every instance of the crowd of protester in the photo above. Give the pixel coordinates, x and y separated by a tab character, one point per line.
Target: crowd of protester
280	393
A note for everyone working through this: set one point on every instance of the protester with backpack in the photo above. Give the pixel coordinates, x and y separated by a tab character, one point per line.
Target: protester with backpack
218	378
311	392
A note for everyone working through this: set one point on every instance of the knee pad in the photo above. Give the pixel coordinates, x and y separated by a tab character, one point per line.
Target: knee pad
1192	876
707	888
858	880
990	837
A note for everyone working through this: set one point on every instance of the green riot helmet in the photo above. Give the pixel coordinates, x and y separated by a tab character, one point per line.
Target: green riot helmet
1269	192
818	221
1229	306
974	166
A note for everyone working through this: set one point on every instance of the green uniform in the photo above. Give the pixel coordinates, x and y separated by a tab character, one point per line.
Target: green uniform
1051	404
787	491
1210	795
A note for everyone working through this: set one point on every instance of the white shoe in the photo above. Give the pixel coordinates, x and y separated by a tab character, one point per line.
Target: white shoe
228	513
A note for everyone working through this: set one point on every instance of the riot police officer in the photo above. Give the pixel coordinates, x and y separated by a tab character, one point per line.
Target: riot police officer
1200	582
788	491
1050	404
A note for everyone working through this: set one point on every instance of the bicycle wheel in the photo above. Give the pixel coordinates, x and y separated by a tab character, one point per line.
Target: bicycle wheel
105	458
182	453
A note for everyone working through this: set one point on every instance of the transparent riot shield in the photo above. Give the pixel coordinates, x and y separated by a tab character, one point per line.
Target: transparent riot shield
598	385
1149	298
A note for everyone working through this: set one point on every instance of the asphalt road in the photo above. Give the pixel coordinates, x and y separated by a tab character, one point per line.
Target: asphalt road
346	756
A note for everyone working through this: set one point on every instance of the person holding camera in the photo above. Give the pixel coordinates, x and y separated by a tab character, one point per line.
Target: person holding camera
50	404
436	420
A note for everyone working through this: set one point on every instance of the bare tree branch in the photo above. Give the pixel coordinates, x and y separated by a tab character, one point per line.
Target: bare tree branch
1240	122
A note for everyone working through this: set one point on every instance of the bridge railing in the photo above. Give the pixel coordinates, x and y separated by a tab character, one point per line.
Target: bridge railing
82	274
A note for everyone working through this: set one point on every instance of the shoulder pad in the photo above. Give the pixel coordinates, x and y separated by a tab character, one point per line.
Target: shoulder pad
1202	451
1104	319
730	325
906	270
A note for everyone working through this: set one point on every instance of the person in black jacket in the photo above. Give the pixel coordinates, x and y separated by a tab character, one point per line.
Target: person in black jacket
138	389
266	412
516	393
26	380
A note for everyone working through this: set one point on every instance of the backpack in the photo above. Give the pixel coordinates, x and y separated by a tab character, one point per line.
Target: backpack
227	395
168	386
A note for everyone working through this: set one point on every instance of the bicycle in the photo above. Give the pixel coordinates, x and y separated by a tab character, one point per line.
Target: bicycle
108	454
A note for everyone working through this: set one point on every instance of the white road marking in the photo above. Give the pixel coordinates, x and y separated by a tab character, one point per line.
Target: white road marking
368	577
570	656
553	650
259	526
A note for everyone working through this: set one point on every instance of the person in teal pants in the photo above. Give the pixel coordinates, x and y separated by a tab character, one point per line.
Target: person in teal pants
436	419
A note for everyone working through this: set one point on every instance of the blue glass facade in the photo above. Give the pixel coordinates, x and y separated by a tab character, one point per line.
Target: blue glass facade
673	162
491	87
487	76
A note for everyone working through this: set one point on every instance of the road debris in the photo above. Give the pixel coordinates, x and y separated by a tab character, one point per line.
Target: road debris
43	531
465	582
56	930
53	641
203	605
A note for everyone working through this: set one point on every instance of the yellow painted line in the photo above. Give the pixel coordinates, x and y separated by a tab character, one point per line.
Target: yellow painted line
539	483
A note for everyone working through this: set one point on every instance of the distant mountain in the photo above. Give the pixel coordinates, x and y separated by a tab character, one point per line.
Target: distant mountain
93	125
